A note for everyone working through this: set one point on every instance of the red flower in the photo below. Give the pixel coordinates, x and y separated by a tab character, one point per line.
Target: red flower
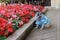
23	19
33	14
14	16
21	13
5	34
19	24
26	20
2	22
35	8
2	11
22	22
26	17
9	24
41	8
10	30
2	28
6	14
1	32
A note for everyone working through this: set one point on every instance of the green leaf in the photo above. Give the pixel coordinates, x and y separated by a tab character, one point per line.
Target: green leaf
17	26
14	27
2	37
17	22
13	20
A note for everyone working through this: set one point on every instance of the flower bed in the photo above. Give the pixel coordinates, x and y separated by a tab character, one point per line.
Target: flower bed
13	16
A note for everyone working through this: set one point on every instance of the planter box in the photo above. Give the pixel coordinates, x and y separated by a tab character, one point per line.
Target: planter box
22	32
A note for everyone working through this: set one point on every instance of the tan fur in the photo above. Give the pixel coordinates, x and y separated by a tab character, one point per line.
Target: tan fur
48	25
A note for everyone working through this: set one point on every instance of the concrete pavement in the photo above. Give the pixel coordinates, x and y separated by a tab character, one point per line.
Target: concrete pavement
48	34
